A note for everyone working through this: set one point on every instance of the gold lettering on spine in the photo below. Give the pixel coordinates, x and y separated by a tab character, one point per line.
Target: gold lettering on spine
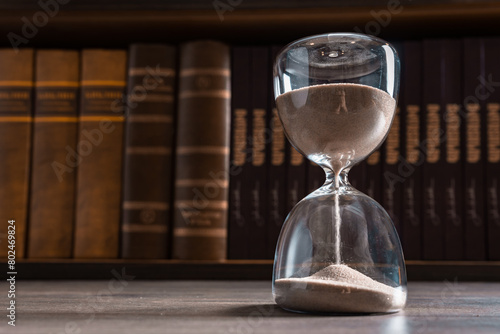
14	95
392	143
259	137
104	94
239	137
493	132
60	95
433	123
412	133
278	145
452	133
473	133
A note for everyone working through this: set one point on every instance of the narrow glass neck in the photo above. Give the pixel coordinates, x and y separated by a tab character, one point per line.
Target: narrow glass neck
330	182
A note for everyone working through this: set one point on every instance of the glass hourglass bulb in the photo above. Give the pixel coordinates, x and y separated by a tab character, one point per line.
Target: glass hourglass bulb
338	250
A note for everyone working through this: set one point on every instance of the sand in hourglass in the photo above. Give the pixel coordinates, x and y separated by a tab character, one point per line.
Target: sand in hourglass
336	119
339	124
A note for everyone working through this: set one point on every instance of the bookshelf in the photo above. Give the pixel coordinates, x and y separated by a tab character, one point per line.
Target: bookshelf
116	23
232	270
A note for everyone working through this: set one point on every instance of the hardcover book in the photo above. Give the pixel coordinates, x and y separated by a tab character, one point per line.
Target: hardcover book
452	177
202	152
276	178
392	187
432	170
99	152
148	163
492	54
411	165
53	169
257	187
391	181
240	154
474	141
16	89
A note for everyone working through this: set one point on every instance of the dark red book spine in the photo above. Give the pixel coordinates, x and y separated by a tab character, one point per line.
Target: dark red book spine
391	185
432	181
276	178
411	165
451	174
240	155
474	136
492	55
391	181
257	184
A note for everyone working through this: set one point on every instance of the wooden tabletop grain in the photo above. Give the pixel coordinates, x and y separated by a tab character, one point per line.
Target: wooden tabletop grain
233	307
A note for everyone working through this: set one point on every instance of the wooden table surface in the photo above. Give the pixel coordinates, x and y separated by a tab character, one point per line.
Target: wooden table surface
234	307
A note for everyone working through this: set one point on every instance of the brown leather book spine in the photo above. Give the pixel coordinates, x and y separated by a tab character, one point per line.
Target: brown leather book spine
16	86
52	170
99	153
202	156
148	151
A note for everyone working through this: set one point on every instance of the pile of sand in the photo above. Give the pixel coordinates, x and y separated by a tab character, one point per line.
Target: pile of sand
337	288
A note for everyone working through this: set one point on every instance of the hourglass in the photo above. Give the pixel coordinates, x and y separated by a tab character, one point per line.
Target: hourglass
338	250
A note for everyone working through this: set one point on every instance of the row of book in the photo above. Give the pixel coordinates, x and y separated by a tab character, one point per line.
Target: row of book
441	161
87	143
91	172
437	174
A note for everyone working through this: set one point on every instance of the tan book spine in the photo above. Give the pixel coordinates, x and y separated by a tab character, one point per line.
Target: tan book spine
53	171
202	157
16	86
100	153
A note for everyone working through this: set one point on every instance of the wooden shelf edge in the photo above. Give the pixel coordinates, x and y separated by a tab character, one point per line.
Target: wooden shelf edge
117	28
228	270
